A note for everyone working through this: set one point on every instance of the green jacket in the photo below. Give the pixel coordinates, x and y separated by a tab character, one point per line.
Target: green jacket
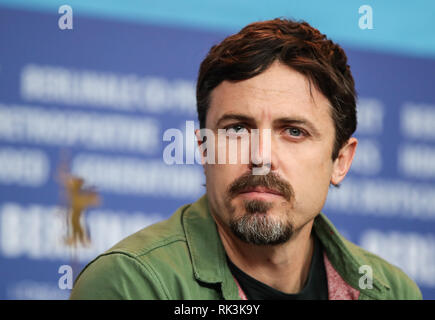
183	258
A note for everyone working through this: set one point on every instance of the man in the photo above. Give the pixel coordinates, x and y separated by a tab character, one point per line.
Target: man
259	236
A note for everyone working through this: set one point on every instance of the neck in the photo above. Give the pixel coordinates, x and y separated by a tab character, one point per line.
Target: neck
284	267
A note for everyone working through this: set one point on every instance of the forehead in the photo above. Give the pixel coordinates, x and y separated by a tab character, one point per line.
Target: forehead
277	92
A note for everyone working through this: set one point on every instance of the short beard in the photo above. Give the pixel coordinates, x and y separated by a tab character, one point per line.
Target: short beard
256	227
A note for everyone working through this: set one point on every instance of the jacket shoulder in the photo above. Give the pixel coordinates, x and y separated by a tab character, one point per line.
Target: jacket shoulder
399	285
136	262
152	237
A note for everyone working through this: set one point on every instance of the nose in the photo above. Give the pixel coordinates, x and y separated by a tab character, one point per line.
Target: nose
261	162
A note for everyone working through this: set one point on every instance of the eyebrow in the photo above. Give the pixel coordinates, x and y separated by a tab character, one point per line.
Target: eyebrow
277	122
235	116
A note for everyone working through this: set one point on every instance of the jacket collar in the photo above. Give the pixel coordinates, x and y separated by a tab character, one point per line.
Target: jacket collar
346	258
206	249
209	258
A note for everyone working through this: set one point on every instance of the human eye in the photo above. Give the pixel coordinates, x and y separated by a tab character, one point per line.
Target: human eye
236	130
295	132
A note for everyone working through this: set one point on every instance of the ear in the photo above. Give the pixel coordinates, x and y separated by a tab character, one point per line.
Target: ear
342	164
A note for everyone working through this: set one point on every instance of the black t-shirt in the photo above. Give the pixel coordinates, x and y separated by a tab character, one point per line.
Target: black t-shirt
316	286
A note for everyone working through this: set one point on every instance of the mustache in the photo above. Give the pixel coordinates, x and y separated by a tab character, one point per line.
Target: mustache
270	181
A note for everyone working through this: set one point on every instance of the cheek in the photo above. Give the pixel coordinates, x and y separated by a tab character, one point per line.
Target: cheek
219	177
310	176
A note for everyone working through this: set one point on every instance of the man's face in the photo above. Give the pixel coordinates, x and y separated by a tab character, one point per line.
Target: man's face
268	209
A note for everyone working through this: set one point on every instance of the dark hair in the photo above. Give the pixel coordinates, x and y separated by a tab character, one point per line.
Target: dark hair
296	44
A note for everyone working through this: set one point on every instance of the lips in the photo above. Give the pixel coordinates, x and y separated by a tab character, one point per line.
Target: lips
261	190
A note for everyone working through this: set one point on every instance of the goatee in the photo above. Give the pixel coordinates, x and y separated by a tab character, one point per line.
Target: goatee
255	226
